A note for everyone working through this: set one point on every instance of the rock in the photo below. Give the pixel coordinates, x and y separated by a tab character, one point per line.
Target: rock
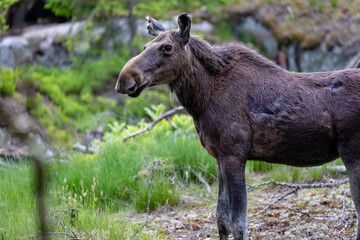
51	53
263	36
52	31
321	59
14	51
44	43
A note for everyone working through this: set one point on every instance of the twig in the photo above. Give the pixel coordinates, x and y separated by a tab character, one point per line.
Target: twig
296	188
273	203
73	235
201	179
151	125
354	62
298	211
343	215
177	128
300	186
150	169
62	233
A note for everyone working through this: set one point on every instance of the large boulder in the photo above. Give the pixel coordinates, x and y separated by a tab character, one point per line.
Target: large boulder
14	51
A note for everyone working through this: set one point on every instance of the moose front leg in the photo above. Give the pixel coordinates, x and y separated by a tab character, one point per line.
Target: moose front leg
233	175
222	211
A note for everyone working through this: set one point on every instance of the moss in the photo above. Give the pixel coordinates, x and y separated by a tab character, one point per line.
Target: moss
308	15
311	41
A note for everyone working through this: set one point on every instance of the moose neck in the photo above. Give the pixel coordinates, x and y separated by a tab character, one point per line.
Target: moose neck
194	87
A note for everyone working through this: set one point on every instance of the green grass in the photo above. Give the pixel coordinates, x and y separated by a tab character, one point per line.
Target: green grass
89	193
17	201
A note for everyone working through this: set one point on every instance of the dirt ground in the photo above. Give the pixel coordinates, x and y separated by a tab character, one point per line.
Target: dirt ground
325	213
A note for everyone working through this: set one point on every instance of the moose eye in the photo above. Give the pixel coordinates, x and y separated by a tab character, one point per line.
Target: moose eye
168	48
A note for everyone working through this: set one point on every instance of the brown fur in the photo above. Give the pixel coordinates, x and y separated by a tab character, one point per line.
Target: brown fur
245	107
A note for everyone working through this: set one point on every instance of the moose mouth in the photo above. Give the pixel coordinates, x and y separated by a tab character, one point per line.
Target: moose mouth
138	91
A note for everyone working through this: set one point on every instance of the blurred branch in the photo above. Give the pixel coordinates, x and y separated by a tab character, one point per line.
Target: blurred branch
23	128
354	62
157	120
40	197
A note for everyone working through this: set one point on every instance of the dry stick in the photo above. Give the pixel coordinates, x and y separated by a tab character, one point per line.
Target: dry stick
354	62
296	187
201	179
273	203
67	228
300	186
177	128
151	125
298	211
343	215
150	169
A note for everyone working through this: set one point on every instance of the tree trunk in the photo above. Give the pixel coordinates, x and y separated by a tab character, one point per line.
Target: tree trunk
132	27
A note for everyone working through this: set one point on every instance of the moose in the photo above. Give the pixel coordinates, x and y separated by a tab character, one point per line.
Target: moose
244	107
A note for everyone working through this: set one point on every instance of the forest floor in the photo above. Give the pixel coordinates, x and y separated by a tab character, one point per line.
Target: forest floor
317	213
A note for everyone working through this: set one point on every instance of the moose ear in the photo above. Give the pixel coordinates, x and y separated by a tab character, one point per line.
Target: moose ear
153	26
184	22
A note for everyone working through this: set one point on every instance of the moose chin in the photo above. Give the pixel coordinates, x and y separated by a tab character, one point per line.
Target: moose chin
246	107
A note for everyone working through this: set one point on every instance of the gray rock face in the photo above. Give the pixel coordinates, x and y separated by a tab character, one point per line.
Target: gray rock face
51	53
44	43
14	51
296	59
322	59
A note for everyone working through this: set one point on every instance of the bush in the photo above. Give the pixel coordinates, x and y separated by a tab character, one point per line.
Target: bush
7	81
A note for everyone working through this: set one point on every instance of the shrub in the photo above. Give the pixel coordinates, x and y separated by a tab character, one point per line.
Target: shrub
7	81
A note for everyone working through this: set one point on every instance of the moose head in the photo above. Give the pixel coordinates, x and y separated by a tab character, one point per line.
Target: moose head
162	60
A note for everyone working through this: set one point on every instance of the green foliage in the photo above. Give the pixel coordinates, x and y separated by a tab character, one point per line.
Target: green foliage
161	9
334	3
121	170
290	174
312	2
7	81
79	8
135	107
258	166
18	217
4	4
65	100
155	111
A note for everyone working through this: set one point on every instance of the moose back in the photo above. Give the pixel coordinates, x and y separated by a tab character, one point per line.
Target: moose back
246	107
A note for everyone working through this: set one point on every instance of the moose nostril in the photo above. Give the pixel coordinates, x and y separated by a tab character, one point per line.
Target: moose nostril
132	89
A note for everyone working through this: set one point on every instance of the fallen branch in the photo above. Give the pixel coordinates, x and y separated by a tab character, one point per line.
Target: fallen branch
354	62
72	234
296	188
300	186
273	203
201	179
179	129
151	125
